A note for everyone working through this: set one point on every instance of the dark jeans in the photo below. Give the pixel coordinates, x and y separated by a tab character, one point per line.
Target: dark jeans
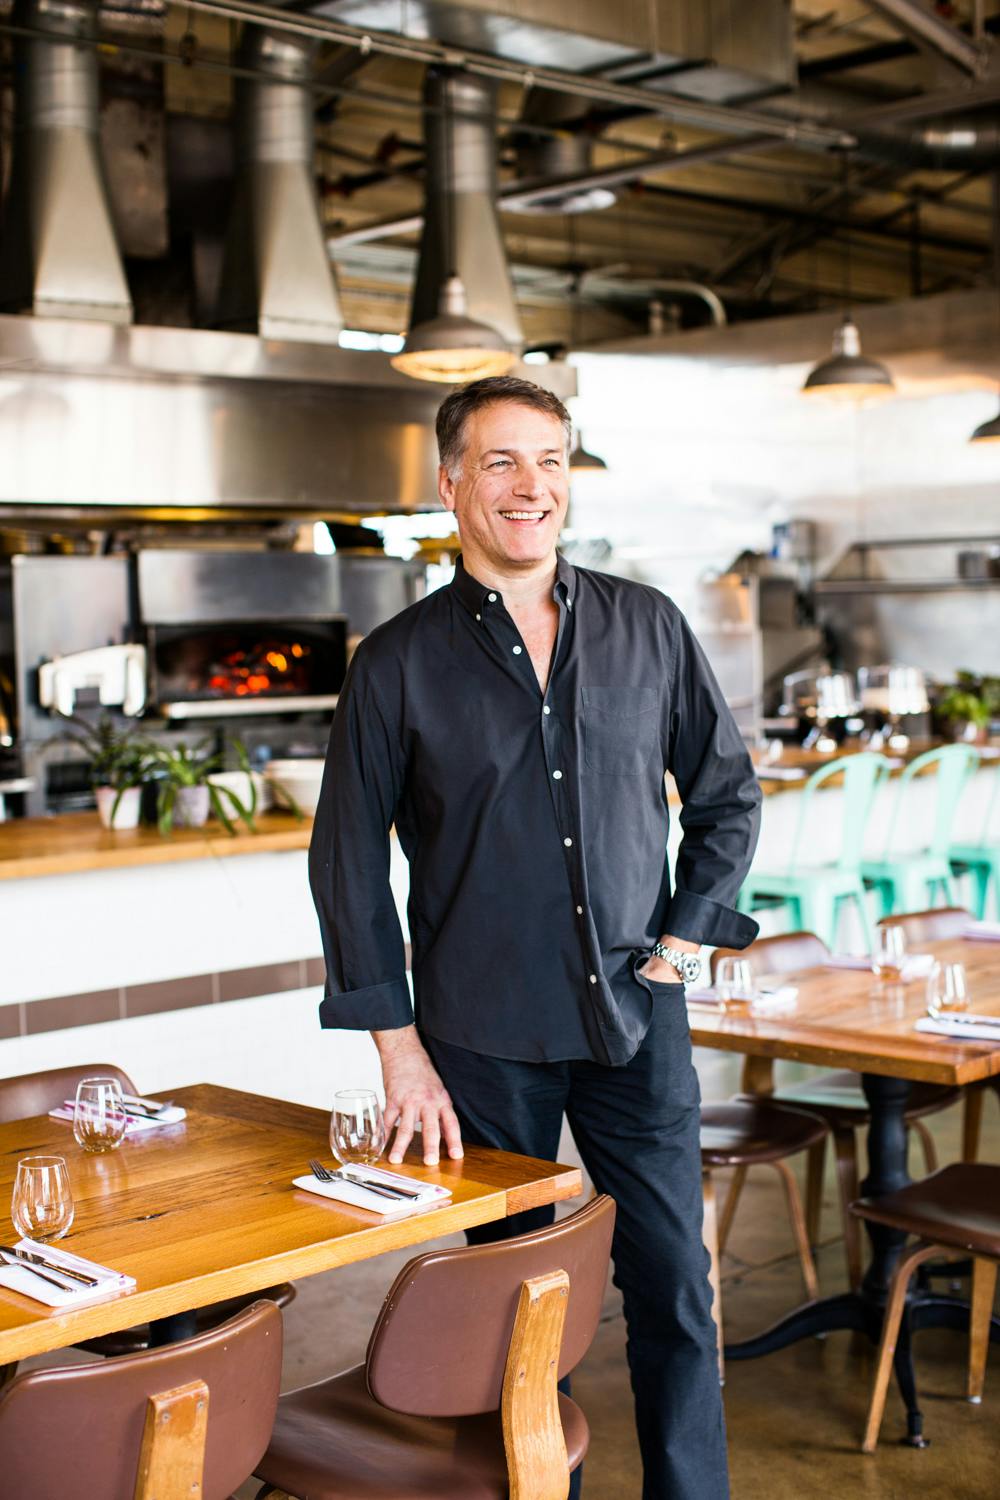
636	1128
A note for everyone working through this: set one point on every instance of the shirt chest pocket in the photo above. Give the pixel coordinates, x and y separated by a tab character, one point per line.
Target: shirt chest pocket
620	728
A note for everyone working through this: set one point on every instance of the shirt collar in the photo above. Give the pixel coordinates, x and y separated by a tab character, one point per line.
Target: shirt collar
477	597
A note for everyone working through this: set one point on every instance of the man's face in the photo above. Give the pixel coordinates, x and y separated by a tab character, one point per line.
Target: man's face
511	494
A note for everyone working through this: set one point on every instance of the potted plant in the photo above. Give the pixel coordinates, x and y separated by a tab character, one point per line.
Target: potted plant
963	712
118	764
185	791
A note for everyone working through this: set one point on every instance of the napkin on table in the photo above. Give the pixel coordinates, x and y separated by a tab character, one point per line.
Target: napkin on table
969	1028
784	995
342	1191
136	1125
983	932
914	965
22	1278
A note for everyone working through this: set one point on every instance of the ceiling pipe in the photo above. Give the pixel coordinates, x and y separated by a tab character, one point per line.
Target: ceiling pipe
910	17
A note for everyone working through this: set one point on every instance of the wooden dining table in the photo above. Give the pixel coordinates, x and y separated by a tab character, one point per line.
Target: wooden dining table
206	1209
847	1018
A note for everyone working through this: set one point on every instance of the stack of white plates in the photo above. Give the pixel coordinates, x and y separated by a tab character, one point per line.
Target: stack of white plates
298	780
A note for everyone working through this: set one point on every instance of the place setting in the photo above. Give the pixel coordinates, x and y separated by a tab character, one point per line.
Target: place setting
735	989
357	1140
103	1114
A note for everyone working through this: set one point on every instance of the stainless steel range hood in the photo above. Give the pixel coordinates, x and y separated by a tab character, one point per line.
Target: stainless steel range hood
58	253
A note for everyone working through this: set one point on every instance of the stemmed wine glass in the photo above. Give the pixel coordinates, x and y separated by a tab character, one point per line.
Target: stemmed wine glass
357	1129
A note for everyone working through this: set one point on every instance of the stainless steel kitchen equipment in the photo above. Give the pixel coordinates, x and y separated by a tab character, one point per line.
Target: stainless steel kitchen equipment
819	698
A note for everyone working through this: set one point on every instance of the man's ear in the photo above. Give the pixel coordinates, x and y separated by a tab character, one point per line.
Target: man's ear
446	488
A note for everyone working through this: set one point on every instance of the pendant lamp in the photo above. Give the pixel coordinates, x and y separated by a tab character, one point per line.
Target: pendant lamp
453	347
580	459
847	374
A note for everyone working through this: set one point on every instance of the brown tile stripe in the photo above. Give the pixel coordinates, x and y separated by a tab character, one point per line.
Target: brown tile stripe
62	1011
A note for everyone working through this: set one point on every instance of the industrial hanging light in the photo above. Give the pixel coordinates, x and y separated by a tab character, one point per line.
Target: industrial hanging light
847	374
580	459
989	432
453	347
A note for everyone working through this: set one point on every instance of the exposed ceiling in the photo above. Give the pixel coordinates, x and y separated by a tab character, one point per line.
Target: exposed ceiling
772	227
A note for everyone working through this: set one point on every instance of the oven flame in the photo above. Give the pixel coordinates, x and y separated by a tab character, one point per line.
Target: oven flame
262	668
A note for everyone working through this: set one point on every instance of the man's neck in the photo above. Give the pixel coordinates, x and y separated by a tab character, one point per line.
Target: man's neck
521	587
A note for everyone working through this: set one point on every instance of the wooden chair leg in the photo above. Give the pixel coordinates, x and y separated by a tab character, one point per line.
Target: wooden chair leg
890	1331
972	1120
798	1221
729	1207
927	1145
984	1285
710	1234
758	1074
846	1153
815	1171
533	1439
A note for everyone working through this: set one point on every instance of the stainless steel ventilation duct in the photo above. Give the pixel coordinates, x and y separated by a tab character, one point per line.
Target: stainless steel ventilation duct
461	230
58	253
277	279
562	149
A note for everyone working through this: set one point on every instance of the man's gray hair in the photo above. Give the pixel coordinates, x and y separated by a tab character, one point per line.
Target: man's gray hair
455	411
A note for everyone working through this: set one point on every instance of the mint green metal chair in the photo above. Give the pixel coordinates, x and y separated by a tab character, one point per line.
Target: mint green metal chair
981	860
912	881
814	893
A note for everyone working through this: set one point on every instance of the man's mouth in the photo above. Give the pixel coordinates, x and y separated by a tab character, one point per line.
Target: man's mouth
524	515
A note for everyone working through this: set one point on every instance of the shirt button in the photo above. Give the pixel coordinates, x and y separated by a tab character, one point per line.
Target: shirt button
517	650
492	598
546	709
479	617
579	911
568	843
557	776
593	978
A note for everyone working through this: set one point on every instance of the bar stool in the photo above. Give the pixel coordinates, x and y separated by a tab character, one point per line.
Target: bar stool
957	1208
981	859
815	893
837	1098
908	881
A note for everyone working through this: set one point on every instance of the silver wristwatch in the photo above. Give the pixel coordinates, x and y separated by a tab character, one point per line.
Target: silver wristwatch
688	965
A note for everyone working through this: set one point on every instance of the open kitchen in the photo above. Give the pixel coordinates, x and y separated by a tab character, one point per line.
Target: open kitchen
499	603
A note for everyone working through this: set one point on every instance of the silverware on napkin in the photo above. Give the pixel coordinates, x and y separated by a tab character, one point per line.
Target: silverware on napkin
32	1257
8	1259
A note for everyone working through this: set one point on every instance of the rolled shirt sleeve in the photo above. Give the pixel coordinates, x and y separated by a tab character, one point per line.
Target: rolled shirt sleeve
721	798
349	856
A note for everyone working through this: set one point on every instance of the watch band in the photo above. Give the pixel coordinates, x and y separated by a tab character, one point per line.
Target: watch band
688	965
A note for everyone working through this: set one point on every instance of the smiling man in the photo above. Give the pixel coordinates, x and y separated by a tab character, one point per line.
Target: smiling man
516	727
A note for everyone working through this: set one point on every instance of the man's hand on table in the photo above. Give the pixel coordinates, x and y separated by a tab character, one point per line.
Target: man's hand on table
414	1092
659	970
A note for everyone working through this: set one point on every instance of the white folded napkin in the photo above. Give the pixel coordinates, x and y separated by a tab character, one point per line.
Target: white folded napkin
777	999
431	1194
137	1123
983	932
781	773
914	965
963	1028
22	1278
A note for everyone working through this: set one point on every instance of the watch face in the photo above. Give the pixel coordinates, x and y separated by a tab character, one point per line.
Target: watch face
691	968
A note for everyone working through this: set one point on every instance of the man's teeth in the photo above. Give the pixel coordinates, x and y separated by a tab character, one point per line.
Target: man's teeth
522	515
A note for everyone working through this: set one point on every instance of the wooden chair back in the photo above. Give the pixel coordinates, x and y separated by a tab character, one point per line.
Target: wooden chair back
187	1420
933	926
36	1093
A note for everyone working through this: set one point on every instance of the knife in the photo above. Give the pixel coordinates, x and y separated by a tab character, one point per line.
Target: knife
34	1259
961	1019
379	1185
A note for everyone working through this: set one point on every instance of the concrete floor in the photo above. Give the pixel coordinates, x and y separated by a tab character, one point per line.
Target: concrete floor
794	1418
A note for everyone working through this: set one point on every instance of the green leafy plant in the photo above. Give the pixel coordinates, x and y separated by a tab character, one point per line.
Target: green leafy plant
119	758
962	705
189	766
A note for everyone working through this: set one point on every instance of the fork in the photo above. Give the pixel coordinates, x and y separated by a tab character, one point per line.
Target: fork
323	1174
60	1286
32	1257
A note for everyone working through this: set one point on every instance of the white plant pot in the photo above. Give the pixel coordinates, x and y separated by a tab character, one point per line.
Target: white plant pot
191	806
126	815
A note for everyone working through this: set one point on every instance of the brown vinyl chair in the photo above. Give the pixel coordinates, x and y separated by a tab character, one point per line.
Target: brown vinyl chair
188	1420
837	1098
457	1399
32	1094
935	926
956	1209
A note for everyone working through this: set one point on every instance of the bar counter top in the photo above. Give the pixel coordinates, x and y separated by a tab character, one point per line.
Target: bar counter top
75	842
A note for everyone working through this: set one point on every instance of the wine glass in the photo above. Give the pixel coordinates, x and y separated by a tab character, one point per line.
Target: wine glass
947	988
357	1129
889	953
99	1118
42	1203
734	981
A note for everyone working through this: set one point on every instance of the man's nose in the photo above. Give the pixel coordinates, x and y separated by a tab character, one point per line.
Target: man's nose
531	485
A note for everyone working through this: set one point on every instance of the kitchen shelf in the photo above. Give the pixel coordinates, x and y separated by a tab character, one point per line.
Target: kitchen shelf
907	586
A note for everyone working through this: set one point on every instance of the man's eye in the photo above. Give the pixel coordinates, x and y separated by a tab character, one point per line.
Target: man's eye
552	462
500	463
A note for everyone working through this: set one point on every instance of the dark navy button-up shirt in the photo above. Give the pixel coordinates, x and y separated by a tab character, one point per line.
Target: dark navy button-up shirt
535	825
